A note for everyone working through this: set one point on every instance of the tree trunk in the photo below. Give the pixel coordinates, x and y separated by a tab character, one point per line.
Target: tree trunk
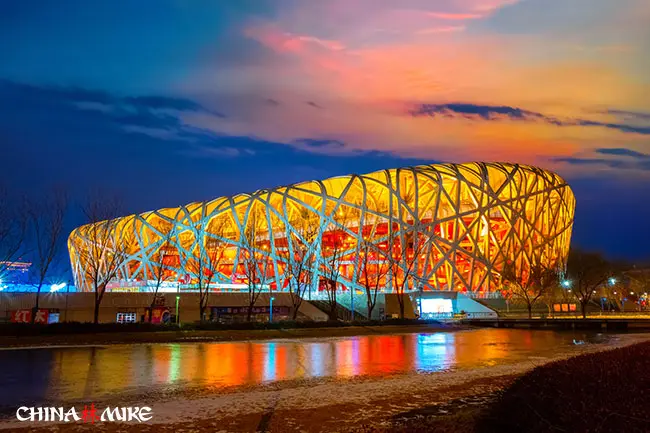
400	298
583	307
35	310
249	313
370	308
96	313
530	310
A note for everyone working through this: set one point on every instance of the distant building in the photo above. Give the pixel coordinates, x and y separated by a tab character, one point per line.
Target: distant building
15	272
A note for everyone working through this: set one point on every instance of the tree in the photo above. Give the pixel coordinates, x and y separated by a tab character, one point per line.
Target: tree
405	248
299	257
158	270
255	262
529	283
587	272
13	225
103	246
373	266
46	219
333	254
204	253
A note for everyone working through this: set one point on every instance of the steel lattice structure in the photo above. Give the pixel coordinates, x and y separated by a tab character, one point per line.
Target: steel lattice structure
471	218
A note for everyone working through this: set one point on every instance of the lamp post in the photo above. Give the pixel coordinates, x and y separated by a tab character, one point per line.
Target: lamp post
352	302
178	298
67	291
271	299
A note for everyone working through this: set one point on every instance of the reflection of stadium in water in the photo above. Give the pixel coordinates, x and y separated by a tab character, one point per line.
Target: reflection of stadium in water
446	226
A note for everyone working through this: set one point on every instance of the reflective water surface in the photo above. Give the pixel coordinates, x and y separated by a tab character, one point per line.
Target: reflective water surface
66	374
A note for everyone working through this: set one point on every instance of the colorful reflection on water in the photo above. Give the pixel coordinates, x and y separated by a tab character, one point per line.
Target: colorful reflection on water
81	373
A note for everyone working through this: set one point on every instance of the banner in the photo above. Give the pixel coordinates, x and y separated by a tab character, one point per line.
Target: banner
25	316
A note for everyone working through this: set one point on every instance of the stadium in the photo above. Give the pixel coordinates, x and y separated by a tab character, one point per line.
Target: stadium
428	228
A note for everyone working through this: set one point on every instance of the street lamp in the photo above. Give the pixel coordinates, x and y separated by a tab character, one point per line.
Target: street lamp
178	298
271	299
612	281
566	284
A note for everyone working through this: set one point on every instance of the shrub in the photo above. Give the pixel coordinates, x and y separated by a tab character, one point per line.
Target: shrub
601	392
25	329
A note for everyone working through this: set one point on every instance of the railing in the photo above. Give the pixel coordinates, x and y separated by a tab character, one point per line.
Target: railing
483	295
578	315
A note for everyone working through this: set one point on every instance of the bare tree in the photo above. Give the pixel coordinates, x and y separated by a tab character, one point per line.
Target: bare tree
404	252
102	245
159	270
529	283
256	263
46	219
207	253
12	232
333	255
299	258
373	266
587	273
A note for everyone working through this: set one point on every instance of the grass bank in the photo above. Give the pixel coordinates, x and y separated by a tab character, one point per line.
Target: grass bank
599	392
24	335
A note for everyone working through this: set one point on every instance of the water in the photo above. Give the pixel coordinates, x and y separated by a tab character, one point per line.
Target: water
58	375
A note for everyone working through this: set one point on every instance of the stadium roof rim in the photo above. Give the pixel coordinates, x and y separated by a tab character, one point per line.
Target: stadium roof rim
449	165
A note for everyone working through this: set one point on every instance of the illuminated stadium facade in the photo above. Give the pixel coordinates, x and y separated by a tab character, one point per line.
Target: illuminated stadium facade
441	227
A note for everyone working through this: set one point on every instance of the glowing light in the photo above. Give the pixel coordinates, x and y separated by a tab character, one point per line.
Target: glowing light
566	284
612	281
57	287
436	306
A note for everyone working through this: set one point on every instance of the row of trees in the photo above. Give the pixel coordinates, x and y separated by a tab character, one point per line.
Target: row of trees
586	274
35	229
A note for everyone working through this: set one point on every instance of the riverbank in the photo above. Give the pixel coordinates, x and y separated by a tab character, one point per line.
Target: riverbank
593	392
198	335
454	398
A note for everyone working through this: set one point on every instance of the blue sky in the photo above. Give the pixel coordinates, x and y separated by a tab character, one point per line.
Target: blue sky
172	101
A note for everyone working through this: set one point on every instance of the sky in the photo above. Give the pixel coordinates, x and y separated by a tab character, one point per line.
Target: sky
166	102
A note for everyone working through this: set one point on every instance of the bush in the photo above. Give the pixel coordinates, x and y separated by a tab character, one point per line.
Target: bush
601	392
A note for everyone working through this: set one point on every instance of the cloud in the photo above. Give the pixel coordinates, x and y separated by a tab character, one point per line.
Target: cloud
161	102
630	115
621	151
156	116
623	159
321	144
286	42
454	16
444	29
503	112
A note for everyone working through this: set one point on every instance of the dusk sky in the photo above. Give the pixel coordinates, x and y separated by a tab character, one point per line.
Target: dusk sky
167	102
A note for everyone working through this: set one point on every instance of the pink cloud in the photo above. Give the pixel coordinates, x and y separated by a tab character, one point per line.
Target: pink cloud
444	29
454	16
281	41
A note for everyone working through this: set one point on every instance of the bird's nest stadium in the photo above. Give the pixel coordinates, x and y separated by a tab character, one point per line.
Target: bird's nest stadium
442	227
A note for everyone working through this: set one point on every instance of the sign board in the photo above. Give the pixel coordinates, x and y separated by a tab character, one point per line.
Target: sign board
160	315
25	316
237	311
